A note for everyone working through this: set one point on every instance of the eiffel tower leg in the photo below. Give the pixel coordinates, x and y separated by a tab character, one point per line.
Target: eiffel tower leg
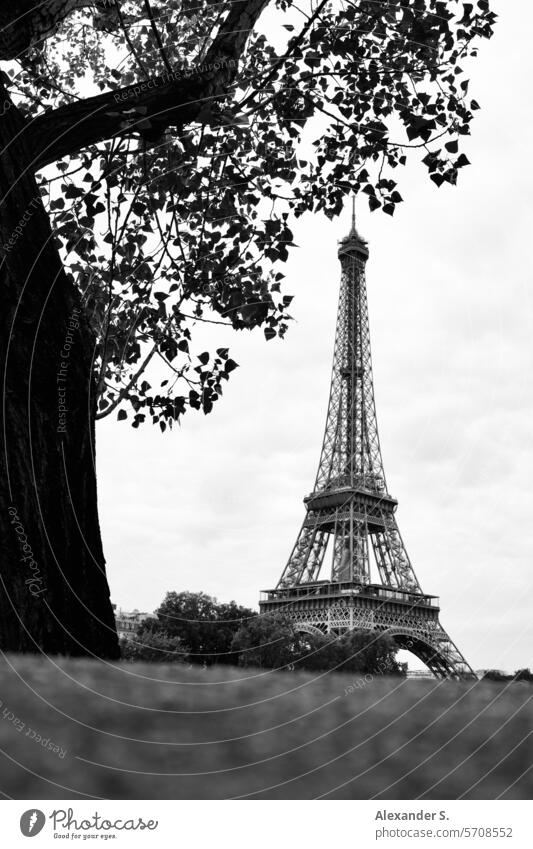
440	654
306	557
391	557
448	657
428	641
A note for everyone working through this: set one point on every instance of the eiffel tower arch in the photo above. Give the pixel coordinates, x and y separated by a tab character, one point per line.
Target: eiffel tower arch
351	514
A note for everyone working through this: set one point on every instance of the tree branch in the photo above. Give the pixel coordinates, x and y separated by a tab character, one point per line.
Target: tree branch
149	107
157	35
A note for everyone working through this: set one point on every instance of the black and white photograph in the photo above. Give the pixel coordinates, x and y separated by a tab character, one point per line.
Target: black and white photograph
266	452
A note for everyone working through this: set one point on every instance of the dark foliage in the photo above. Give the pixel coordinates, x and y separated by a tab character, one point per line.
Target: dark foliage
155	194
204	628
498	675
363	652
268	642
523	675
271	642
153	647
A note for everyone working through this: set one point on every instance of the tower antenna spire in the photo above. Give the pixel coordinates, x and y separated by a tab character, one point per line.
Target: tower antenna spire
353	214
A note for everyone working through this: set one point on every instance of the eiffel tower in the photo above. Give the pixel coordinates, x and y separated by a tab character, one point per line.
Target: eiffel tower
351	506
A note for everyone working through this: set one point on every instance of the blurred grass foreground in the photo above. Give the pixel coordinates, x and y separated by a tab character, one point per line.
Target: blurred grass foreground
82	729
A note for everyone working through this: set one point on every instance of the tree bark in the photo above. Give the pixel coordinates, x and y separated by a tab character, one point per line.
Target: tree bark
54	595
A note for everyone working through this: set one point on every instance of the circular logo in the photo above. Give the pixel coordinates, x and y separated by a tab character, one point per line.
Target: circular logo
32	822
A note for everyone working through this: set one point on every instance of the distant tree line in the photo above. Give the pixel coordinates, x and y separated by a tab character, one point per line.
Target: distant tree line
194	628
519	675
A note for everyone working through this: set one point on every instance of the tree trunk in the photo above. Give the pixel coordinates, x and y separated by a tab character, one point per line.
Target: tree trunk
54	595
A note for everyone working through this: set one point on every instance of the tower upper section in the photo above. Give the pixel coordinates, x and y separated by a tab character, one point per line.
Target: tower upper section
353	244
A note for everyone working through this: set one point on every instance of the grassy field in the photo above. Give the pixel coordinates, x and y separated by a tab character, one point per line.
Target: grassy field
81	729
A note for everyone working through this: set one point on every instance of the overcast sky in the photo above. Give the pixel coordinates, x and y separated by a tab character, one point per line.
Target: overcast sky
216	504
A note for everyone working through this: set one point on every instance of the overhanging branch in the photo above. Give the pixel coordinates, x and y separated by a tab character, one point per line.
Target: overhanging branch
148	107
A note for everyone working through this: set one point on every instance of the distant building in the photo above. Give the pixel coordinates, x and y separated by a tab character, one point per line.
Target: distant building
128	621
418	674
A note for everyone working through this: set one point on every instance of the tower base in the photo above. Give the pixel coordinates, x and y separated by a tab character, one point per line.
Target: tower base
410	618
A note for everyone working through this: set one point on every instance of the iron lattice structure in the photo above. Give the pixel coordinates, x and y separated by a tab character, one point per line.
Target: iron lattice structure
351	512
